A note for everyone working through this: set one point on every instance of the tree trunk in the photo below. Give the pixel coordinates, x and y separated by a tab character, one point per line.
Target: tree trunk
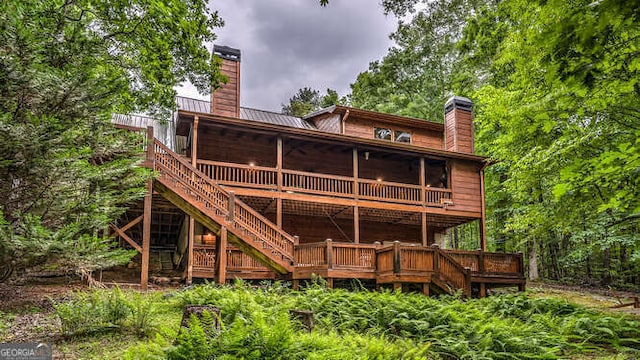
533	260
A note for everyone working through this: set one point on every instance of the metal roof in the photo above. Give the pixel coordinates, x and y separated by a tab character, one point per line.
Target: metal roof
268	117
162	130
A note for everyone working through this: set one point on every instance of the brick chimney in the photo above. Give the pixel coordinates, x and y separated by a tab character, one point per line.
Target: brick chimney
458	125
225	101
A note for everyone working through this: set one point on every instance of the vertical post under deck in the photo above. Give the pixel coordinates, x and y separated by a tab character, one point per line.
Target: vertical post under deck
222	256
146	218
191	238
483	226
146	235
192	225
356	224
423	220
483	290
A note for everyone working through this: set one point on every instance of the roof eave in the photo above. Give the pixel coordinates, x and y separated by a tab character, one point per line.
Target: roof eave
333	136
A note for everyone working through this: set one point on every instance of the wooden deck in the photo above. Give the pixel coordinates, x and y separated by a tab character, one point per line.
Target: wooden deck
396	264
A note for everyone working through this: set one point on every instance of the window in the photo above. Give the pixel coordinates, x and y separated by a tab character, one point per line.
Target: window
395	135
382	133
402	136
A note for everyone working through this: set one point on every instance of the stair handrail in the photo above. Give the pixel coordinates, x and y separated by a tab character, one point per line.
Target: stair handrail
284	246
464	272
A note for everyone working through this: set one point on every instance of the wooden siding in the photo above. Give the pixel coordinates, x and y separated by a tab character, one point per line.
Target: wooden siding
419	137
459	131
236	147
465	179
359	128
403	170
315	158
226	100
328	123
427	139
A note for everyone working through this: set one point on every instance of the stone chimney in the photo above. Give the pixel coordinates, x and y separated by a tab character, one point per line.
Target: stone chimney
225	101
458	125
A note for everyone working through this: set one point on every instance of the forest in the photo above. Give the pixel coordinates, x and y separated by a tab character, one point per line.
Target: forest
555	91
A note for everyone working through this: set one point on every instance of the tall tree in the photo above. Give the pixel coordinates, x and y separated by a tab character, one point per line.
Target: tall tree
415	77
555	111
65	67
307	100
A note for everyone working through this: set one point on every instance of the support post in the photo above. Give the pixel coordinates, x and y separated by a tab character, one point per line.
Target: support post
146	235
397	265
423	181
192	226
146	217
436	257
480	261
483	290
194	143
232	207
483	226
425	289
423	218
356	185
222	256
279	212
279	181
356	224
522	287
467	282
279	162
329	253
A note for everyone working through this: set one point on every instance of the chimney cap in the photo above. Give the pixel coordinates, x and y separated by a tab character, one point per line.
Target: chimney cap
458	102
226	52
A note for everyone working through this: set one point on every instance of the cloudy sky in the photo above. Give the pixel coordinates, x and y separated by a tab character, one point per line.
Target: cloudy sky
290	44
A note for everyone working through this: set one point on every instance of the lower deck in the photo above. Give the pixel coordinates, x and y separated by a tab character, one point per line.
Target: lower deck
396	264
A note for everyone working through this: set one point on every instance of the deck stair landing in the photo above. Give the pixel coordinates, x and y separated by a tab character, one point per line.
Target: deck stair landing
205	200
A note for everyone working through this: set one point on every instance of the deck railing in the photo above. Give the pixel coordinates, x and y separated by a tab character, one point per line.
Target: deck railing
204	257
409	259
239	261
323	184
376	190
489	263
330	255
234	174
436	196
333	185
452	272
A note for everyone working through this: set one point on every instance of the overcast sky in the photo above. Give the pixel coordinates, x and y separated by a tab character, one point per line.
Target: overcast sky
290	44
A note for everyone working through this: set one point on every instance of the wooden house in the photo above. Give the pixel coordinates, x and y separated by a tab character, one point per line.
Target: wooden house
341	193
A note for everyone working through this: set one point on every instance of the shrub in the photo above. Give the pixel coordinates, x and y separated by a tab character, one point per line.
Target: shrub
105	310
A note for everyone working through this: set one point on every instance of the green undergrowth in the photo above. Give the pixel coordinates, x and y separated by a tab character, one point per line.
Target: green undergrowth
255	323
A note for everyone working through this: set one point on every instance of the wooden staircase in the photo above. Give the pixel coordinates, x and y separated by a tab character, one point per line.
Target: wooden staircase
214	207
